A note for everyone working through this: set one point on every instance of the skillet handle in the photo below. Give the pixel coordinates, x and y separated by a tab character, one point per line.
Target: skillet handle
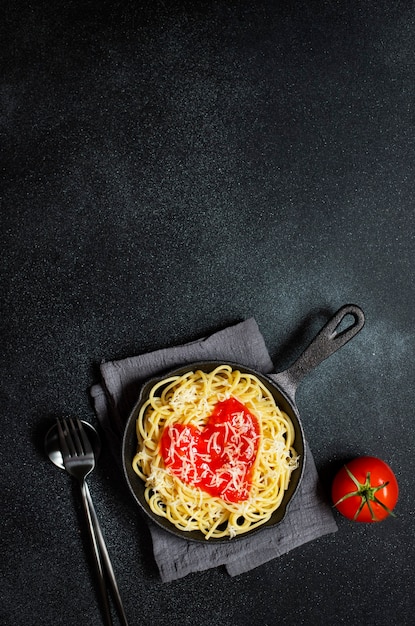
325	343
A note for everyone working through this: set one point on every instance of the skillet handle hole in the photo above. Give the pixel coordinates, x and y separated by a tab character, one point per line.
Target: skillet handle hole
345	324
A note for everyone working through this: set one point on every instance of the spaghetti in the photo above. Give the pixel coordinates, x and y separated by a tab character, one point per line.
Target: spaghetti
215	451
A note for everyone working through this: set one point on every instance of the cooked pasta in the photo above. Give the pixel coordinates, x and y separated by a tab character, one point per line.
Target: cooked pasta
215	451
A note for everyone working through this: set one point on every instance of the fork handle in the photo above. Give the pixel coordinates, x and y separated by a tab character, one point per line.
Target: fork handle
95	546
105	559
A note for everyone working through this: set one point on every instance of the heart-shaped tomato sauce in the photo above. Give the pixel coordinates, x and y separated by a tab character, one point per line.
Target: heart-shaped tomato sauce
219	457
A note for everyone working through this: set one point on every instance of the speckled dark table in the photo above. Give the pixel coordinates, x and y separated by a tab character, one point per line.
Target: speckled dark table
171	168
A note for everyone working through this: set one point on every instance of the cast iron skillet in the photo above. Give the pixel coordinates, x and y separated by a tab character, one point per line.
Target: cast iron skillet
283	387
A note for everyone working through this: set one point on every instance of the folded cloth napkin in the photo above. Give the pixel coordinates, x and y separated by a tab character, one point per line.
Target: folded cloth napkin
309	516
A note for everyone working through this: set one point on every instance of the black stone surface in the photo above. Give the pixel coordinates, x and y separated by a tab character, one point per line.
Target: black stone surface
170	168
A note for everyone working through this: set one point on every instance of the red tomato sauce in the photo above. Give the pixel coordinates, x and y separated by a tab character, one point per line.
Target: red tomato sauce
218	458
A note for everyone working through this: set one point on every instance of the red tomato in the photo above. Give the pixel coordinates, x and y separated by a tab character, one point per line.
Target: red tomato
365	490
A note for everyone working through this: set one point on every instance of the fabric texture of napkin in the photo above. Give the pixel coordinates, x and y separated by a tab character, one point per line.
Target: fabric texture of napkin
309	515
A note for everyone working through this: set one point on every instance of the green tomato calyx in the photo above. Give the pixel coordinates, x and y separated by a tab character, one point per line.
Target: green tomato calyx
367	493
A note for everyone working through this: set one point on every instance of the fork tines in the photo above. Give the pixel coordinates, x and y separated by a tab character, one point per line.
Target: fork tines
72	437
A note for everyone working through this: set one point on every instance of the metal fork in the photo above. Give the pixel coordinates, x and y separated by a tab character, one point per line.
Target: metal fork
79	461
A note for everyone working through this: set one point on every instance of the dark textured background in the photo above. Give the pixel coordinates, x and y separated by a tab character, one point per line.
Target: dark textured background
170	168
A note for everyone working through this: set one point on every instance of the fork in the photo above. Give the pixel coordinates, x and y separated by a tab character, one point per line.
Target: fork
79	461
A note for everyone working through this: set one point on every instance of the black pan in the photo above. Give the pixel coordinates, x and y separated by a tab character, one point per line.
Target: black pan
283	387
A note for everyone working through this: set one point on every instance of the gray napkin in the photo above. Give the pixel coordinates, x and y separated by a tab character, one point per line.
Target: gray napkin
309	515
